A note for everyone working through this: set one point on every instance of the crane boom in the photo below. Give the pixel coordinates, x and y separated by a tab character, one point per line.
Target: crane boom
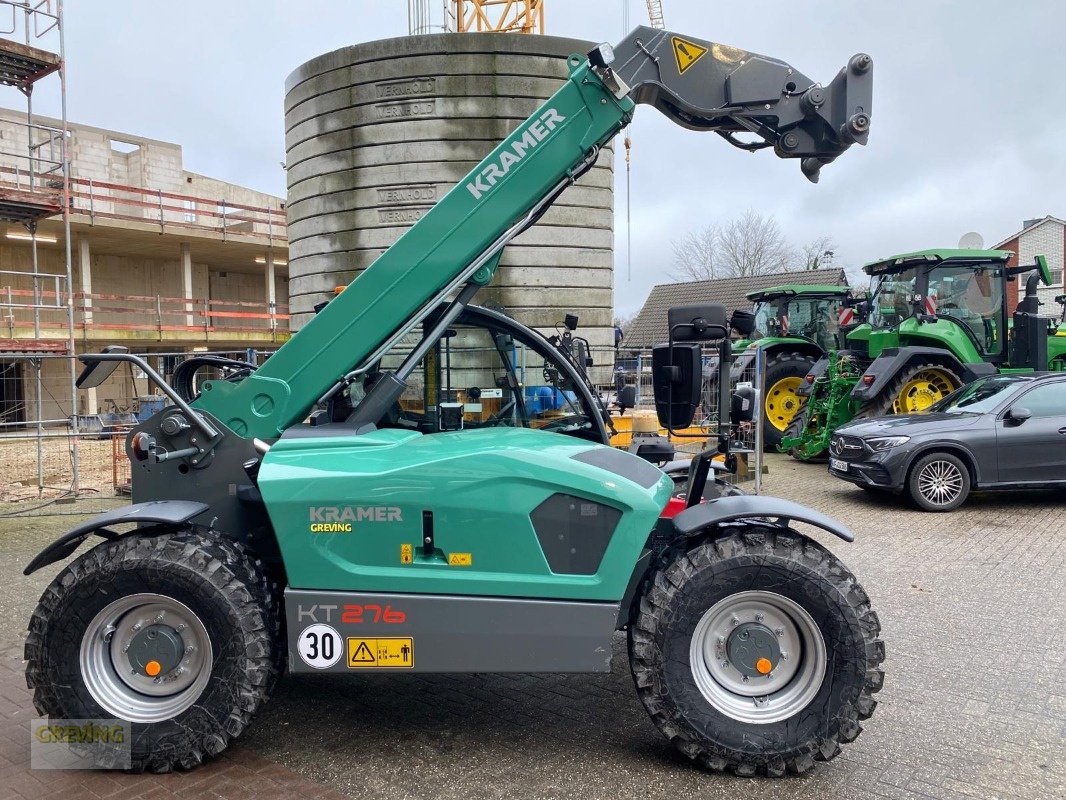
456	246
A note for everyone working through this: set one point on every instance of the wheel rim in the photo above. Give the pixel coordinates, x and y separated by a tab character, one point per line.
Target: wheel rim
940	482
757	657
782	402
145	658
922	390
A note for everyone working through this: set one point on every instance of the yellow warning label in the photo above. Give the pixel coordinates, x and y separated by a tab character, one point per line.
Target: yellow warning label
687	53
406	553
460	559
388	653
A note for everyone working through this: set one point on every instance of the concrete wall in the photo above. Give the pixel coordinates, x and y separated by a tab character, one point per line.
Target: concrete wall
378	132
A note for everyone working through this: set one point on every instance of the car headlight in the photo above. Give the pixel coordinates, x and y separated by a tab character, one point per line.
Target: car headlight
886	442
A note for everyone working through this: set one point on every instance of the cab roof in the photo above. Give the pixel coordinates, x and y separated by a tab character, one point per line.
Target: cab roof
798	289
933	257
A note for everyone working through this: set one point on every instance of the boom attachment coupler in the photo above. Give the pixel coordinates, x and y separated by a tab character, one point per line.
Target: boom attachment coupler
707	86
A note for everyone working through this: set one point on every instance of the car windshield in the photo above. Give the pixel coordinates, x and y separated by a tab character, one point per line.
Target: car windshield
980	396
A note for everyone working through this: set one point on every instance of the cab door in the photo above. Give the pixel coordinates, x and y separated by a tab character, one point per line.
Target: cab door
1034	451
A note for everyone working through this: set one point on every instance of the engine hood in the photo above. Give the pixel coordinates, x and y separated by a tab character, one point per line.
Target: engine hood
910	425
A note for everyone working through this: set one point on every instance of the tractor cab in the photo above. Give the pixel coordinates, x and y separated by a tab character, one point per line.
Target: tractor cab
955	298
815	313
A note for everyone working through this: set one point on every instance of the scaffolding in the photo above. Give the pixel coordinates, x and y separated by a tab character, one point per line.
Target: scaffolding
32	50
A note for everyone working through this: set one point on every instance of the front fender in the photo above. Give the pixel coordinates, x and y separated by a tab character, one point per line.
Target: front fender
163	513
741	507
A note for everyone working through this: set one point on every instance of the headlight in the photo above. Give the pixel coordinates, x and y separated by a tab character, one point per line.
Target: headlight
886	442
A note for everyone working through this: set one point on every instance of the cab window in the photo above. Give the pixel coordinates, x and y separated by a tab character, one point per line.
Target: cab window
487	375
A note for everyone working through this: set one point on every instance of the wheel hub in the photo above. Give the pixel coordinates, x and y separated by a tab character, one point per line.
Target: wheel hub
145	657
155	650
752	648
757	656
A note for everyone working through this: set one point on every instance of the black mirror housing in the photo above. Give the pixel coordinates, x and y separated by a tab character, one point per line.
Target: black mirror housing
742	405
704	322
1019	414
743	322
627	397
677	373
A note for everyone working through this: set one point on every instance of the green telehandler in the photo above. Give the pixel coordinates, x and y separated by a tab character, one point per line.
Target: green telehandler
795	326
381	494
937	319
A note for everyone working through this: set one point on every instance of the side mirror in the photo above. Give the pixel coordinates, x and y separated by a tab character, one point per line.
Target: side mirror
742	406
677	374
627	397
697	323
743	322
1019	414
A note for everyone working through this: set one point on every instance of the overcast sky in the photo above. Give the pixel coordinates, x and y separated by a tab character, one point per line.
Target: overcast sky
968	106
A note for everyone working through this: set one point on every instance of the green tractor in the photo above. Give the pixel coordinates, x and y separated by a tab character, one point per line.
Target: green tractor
937	319
795	326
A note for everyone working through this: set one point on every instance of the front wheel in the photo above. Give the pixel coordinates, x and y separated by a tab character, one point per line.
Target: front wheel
757	652
175	634
938	482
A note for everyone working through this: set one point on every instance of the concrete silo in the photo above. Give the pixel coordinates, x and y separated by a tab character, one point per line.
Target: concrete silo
377	132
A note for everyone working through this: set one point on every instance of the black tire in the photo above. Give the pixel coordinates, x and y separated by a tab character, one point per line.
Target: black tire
881	406
693	580
942	470
795	430
213	577
778	367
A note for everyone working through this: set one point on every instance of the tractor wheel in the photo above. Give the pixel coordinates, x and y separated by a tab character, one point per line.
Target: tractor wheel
175	634
794	431
913	390
757	652
784	375
938	482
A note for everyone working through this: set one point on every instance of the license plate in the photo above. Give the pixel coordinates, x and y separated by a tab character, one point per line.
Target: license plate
837	464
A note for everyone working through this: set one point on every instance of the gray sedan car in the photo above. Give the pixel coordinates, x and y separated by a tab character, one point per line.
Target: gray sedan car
999	432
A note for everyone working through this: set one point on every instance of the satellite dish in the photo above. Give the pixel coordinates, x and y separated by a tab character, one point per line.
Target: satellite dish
972	241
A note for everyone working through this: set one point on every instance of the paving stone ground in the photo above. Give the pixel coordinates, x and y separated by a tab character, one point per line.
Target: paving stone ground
974	704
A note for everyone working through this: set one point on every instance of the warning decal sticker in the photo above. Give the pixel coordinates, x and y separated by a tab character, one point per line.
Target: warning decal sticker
406	553
687	53
460	559
381	653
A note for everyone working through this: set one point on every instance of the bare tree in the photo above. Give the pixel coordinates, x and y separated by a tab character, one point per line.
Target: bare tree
818	253
694	255
754	245
749	245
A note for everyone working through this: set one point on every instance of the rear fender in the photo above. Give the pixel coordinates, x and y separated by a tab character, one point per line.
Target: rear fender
705	517
818	370
161	515
893	360
765	510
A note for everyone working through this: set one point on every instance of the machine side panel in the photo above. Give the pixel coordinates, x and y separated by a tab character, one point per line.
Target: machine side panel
441	633
354	515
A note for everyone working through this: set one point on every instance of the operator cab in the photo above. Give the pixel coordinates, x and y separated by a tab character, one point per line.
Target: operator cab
485	371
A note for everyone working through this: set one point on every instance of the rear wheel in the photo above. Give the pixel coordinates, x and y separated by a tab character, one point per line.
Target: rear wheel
176	634
756	653
784	375
912	391
939	482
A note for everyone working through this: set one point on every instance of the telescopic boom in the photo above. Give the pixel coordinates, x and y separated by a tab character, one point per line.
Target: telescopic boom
455	247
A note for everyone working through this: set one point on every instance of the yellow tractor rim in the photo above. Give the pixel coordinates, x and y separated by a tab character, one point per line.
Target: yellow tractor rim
922	390
782	402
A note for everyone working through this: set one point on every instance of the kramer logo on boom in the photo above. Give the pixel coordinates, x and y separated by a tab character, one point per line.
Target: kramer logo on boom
534	134
339	519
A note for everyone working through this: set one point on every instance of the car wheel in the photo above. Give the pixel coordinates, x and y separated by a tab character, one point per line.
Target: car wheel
939	482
